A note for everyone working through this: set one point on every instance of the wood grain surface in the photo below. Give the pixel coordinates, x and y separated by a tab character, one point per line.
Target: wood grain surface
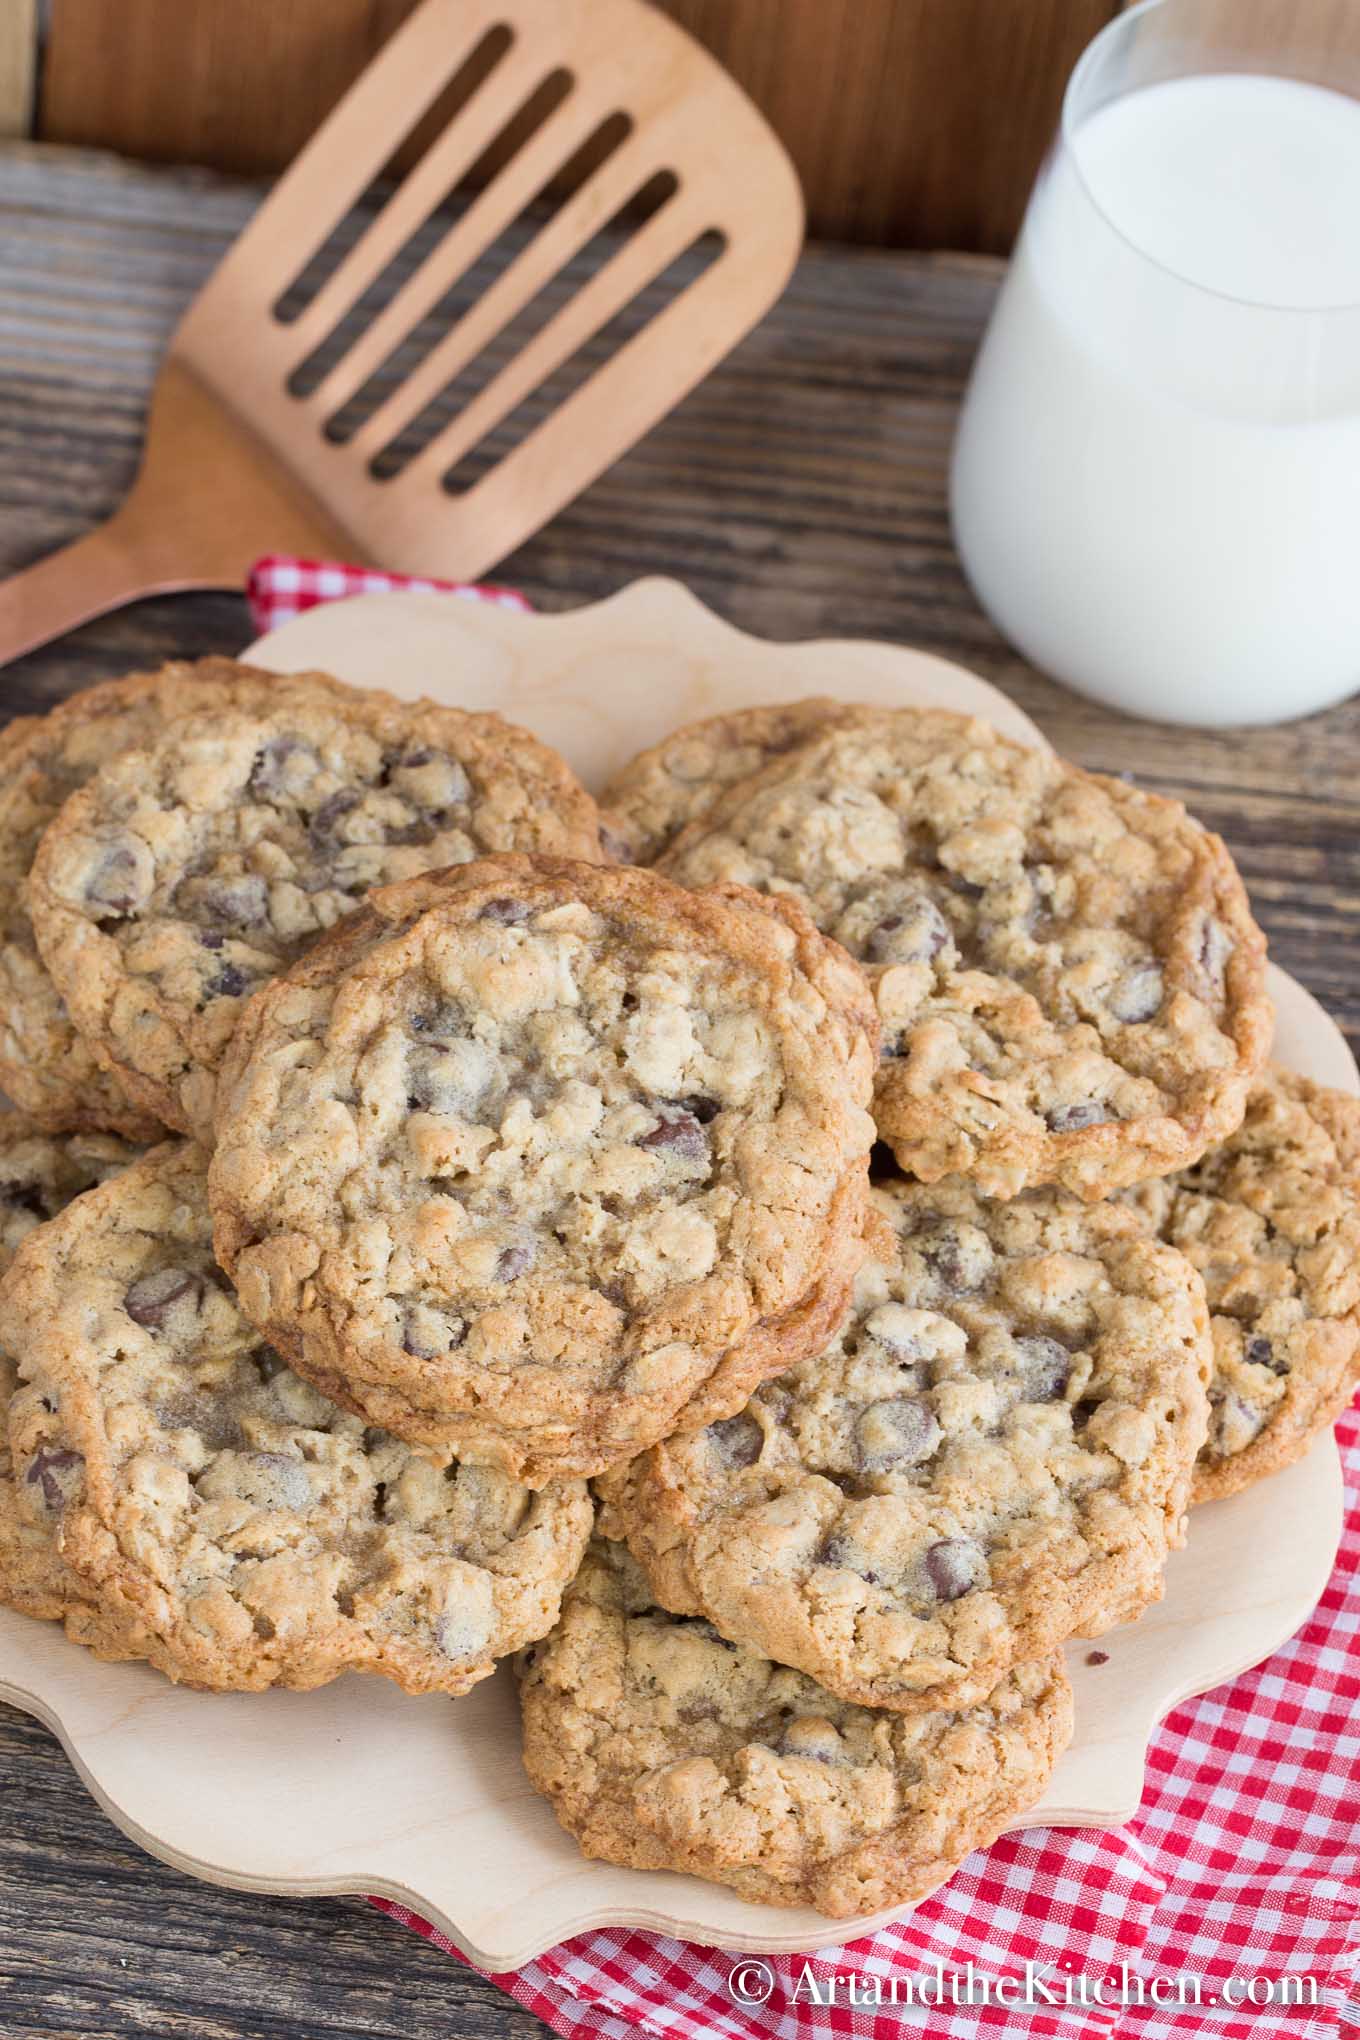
913	123
800	492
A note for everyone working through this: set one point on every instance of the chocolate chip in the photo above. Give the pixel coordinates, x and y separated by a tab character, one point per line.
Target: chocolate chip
1044	1367
1137	995
1083	1411
515	1261
236	902
679	1134
209	939
27	1197
510	913
56	1473
915	935
282	762
321	829
1260	1352
118	884
705	1110
230	983
1069	1118
902	1431
150	1298
953	1567
1097	1657
738	1441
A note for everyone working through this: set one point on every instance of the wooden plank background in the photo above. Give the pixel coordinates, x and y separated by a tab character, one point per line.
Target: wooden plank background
913	123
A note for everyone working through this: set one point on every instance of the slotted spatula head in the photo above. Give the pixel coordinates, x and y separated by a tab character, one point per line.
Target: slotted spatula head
633	217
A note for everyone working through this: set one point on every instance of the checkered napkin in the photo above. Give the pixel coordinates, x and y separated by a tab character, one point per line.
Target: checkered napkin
1242	1867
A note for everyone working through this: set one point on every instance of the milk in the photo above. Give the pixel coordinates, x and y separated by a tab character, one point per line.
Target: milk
1156	483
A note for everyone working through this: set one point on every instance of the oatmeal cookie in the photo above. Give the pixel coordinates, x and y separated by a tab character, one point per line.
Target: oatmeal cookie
41	1172
533	1159
45	1065
993	1454
252	1533
34	1577
661	1747
1069	979
191	869
661	791
1271	1219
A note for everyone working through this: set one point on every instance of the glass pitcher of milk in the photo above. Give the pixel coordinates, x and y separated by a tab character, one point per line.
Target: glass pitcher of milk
1156	478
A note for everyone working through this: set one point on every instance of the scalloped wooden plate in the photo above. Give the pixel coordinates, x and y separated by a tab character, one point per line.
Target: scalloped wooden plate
358	1789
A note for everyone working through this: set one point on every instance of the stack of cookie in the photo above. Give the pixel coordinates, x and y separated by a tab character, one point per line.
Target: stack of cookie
854	1154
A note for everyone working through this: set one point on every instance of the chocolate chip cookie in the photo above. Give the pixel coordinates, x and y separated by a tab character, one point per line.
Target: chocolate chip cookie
662	1747
1069	979
34	1577
41	1172
993	1454
191	869
532	1160
251	1533
45	1065
1271	1219
661	791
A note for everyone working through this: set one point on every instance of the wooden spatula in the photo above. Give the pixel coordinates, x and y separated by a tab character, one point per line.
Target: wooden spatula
426	395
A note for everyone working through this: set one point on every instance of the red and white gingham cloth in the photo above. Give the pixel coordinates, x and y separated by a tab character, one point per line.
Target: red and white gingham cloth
1243	1861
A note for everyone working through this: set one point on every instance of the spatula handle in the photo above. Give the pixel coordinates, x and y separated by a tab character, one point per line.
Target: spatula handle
95	574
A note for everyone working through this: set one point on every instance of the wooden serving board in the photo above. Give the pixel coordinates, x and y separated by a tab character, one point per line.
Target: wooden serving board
357	1788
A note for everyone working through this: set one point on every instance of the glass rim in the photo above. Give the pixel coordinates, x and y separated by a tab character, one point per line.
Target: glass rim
1068	125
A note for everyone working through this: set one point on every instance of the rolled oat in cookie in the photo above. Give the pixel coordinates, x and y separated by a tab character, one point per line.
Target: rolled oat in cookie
1271	1219
533	1159
992	1454
48	1069
662	1747
1069	979
244	1529
192	869
662	790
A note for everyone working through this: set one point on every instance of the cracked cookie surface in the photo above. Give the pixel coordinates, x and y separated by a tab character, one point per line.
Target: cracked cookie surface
248	1531
662	790
48	1069
533	1158
1070	982
1271	1219
193	868
993	1454
661	1747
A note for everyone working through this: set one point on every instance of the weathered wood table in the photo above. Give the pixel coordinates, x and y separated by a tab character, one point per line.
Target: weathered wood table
800	492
